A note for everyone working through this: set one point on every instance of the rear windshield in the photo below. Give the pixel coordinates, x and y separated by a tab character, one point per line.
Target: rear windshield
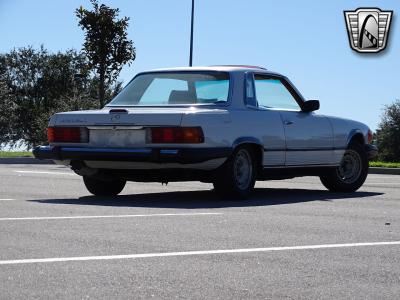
155	89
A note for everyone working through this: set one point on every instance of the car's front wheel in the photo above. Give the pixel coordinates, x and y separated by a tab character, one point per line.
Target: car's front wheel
236	178
352	172
99	187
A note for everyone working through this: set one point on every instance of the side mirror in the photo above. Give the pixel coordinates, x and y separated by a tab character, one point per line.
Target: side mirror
310	105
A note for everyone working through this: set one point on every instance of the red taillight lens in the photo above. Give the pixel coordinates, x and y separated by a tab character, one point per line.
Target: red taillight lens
177	135
67	135
370	136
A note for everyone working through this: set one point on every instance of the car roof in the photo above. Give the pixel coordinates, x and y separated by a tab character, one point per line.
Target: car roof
222	68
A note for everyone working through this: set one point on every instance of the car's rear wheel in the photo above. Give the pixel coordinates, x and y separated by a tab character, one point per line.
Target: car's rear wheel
99	187
352	172
236	177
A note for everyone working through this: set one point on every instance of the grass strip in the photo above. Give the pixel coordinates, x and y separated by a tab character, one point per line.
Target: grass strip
382	164
12	154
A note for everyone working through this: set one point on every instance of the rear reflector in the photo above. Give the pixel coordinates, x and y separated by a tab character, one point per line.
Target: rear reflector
67	134
177	135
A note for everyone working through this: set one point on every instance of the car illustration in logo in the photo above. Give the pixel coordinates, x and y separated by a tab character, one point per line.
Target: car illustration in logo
368	29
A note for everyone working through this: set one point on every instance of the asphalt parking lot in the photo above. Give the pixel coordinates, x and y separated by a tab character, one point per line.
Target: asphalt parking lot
292	239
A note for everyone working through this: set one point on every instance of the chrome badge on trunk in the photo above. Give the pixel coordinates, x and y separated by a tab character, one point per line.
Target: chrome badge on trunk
368	29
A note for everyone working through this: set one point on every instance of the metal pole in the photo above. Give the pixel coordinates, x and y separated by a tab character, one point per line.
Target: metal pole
191	37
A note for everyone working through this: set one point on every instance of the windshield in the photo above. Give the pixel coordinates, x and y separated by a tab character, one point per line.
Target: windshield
165	88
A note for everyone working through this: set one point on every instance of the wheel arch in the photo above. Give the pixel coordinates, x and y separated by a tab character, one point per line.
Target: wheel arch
355	135
255	144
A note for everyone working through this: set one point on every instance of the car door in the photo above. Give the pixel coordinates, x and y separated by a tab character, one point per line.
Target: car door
308	136
266	126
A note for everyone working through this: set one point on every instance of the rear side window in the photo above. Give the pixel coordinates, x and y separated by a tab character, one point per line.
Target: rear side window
272	93
250	97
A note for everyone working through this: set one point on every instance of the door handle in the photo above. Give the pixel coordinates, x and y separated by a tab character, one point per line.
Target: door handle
288	122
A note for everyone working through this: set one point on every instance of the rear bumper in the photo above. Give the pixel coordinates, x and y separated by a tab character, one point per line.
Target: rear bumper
155	155
372	151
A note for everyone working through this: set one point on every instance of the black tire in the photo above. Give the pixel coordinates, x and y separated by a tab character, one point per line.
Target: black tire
351	173
104	187
235	179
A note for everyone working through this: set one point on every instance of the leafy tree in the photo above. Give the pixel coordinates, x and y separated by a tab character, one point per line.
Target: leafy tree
106	44
388	133
35	84
7	117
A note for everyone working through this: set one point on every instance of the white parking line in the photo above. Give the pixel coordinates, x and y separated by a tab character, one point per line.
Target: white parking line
45	172
190	253
108	216
6	199
381	183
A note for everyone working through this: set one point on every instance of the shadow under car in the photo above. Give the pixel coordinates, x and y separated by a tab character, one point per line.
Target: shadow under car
207	199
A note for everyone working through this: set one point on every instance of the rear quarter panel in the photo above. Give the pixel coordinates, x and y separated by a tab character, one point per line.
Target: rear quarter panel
233	126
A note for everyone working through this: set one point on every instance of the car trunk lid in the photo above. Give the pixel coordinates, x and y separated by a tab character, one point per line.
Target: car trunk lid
125	116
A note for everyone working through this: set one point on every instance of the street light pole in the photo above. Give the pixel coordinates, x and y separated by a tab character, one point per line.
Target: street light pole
191	37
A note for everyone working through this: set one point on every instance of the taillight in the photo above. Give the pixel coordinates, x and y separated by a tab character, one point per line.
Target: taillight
370	136
67	134
177	135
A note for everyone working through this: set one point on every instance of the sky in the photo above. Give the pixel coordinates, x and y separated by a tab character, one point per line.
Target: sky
304	40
